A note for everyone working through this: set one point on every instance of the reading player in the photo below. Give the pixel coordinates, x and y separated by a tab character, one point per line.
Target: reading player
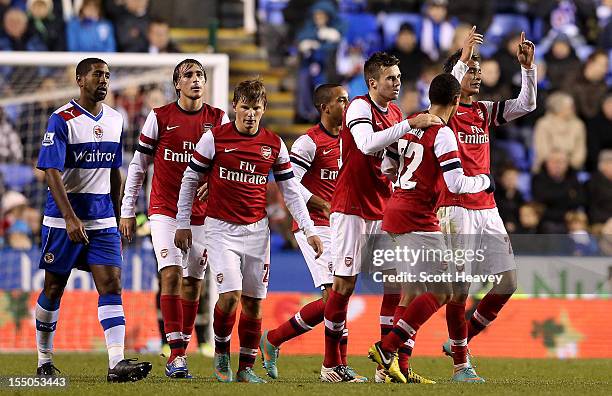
316	161
237	158
81	157
473	219
167	140
425	157
370	124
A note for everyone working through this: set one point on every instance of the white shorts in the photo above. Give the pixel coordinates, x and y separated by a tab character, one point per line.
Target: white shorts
353	239
481	235
194	262
320	269
239	256
422	253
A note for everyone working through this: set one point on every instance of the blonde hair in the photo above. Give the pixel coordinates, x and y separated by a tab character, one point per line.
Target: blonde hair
557	101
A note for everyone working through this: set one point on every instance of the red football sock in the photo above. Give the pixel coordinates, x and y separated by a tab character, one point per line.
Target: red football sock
172	313
387	310
344	346
405	350
190	311
335	320
249	332
457	332
486	312
309	316
223	323
417	313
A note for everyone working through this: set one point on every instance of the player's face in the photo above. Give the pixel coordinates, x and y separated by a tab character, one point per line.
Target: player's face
248	115
191	83
470	85
95	83
336	106
388	84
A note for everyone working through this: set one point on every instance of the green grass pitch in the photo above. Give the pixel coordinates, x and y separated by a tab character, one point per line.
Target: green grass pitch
299	376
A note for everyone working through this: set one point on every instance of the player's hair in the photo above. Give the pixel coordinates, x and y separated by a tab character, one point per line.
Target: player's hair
176	76
250	91
323	95
444	89
452	60
375	65
85	65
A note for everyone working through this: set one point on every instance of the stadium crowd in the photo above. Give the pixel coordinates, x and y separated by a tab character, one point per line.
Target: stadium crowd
553	167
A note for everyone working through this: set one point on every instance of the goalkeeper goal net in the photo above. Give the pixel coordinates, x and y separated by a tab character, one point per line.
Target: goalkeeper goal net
32	86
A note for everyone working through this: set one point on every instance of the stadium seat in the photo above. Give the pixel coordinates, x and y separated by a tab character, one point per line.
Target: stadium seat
517	153
524	185
352	5
16	176
273	10
504	24
392	23
362	28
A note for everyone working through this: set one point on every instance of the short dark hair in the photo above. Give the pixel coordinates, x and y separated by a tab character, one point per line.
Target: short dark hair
85	65
158	21
452	60
443	90
323	95
250	91
176	76
376	63
406	27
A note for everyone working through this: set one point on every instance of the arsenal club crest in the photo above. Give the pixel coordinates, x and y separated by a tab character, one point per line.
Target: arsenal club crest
98	132
348	261
266	152
206	127
220	278
163	253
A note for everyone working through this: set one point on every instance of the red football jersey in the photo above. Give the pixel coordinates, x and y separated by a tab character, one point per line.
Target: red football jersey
239	165
316	154
170	134
361	188
471	127
422	156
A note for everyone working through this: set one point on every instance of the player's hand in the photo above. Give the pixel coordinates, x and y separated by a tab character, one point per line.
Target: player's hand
315	242
127	227
203	192
525	52
182	239
424	120
76	230
471	41
317	203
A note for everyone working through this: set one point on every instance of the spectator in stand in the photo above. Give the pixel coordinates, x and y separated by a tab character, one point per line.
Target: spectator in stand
15	35
317	43
158	35
575	18
558	189
510	69
437	32
349	62
18	233
560	130
46	25
583	243
530	215
562	63
604	13
492	87
600	190
529	120
131	23
470	12
605	240
598	132
376	6
89	31
590	88
509	199
461	32
11	150
409	100
411	57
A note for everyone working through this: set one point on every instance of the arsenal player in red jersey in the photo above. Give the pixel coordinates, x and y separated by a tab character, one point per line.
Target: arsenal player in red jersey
473	219
425	157
168	139
315	157
237	158
371	122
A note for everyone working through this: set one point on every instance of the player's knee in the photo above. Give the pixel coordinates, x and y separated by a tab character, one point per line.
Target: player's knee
228	302
191	288
443	298
110	286
344	285
251	307
54	291
171	280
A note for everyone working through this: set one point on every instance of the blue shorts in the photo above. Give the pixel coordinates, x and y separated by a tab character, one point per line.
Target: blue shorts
60	255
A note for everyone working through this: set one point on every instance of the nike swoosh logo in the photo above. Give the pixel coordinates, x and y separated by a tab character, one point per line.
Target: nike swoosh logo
386	362
169	128
378	123
325	152
460	113
230	150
